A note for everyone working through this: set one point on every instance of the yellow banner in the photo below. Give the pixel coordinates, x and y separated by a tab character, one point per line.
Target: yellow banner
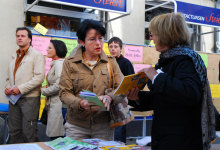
215	90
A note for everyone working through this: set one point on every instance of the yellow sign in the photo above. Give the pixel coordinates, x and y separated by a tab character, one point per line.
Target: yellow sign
215	90
105	49
41	29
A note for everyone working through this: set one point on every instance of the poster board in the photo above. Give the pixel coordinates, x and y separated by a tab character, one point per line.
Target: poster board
41	43
140	55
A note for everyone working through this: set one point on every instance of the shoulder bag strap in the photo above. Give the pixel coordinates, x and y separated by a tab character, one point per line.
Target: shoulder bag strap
111	76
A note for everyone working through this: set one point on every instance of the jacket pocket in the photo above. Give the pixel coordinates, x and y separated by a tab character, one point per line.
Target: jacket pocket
75	81
84	81
80	81
105	78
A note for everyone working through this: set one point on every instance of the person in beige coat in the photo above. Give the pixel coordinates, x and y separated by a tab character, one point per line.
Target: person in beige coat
25	76
87	69
57	51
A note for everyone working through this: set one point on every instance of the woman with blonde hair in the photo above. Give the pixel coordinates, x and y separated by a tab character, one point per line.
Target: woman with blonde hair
179	92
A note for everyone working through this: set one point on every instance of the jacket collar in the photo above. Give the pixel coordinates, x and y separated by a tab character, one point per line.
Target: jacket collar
77	56
24	51
55	61
14	56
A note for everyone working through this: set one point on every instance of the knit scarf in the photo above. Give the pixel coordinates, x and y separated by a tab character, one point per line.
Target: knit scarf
207	108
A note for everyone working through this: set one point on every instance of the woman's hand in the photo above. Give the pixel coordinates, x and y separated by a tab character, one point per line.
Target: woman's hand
106	100
149	71
89	106
133	94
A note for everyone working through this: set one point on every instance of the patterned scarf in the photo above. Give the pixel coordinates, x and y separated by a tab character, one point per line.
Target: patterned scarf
207	110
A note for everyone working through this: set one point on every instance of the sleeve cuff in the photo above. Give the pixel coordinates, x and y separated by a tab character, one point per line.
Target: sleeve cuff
158	72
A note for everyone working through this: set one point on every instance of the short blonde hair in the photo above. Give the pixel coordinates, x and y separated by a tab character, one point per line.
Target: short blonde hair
171	29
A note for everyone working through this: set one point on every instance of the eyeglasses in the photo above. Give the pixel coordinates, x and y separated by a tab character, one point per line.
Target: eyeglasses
150	35
93	40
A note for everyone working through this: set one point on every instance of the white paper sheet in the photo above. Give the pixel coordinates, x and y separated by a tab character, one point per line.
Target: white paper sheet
13	98
21	147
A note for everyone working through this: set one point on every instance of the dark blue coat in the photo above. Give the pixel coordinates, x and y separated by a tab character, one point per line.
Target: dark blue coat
175	98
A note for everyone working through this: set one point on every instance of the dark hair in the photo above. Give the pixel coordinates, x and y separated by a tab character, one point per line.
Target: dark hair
88	24
60	48
116	40
29	32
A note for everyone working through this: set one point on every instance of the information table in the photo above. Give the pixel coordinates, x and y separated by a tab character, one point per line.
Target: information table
26	146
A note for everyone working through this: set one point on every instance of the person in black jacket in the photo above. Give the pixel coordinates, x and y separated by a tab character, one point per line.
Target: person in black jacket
115	48
179	93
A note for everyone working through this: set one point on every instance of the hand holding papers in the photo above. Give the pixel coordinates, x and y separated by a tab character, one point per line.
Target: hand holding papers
14	94
92	97
131	81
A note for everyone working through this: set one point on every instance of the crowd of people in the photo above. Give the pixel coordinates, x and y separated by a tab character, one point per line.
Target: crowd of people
179	92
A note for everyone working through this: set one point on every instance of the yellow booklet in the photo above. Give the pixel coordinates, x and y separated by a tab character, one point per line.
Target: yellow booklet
126	147
131	81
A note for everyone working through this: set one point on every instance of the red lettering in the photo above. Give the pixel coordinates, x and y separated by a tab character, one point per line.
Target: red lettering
213	19
209	18
120	1
106	2
99	1
114	3
218	20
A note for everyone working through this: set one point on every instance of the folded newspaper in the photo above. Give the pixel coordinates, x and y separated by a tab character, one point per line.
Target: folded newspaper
92	97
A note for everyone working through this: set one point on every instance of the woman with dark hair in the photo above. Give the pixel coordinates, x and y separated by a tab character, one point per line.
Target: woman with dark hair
180	94
87	69
57	51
